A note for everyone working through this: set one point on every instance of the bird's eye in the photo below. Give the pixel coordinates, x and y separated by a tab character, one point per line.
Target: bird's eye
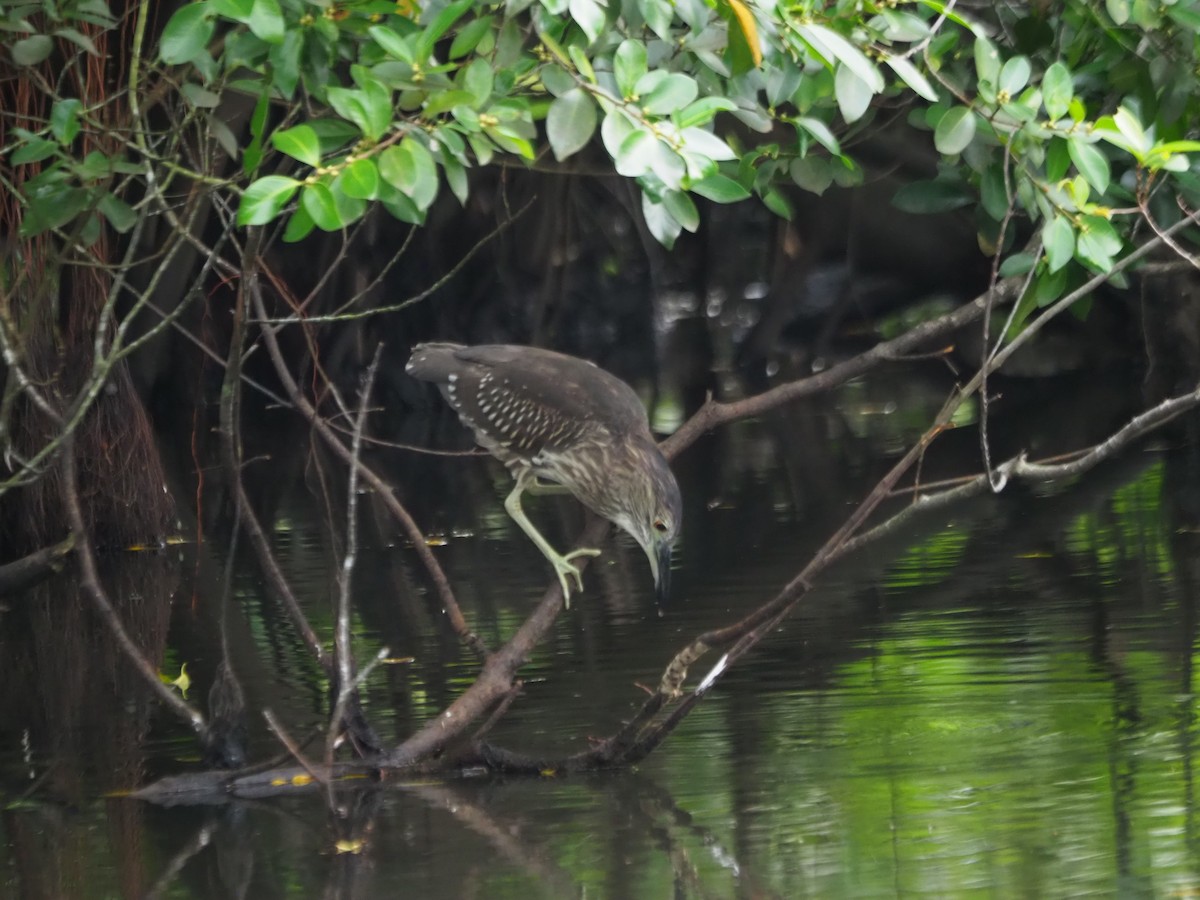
660	526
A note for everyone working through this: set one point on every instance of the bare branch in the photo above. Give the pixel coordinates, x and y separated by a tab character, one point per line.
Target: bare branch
90	579
341	641
377	483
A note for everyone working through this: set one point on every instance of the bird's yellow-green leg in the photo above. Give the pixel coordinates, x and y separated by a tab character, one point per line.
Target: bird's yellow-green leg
537	487
562	564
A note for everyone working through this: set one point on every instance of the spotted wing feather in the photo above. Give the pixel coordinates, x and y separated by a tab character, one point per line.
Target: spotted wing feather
521	401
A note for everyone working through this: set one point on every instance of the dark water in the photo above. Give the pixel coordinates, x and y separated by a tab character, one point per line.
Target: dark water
998	702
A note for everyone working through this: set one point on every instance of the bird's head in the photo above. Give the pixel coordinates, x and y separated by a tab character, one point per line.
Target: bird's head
652	513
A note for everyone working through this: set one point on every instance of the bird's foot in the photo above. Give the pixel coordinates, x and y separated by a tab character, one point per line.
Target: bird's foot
564	567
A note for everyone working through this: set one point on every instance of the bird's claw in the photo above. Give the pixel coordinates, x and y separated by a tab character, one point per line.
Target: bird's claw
564	567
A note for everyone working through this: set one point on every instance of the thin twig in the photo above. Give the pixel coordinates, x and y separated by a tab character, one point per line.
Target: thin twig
341	641
293	748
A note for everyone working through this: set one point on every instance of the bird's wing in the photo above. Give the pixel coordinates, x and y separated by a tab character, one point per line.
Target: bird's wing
525	400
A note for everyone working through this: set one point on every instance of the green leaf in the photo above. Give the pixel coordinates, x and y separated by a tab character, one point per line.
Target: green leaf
469	36
187	34
590	16
954	131
371	110
993	195
299	226
222	135
252	155
931	197
1131	129
120	214
706	144
409	167
570	122
509	140
97	165
64	120
682	209
649	82
32	50
1098	242
635	154
77	38
1058	159
1118	10
399	205
91	231
582	63
456	177
1106	129
393	44
34	149
479	79
852	93
1057	90
813	173
660	222
629	64
987	61
913	77
238	10
398	168
482	147
1169	162
360	179
265	198
829	44
672	94
1018	264
557	79
1177	147
1014	75
333	134
349	209
285	61
52	205
820	131
720	189
299	142
614	129
198	96
903	27
444	101
266	21
658	15
317	201
702	111
1058	237
439	26
1091	163
1047	287
1188	17
667	165
778	204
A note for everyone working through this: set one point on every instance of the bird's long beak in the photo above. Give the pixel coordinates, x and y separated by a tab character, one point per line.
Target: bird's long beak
662	572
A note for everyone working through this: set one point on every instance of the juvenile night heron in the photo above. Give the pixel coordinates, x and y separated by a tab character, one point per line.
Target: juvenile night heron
554	417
